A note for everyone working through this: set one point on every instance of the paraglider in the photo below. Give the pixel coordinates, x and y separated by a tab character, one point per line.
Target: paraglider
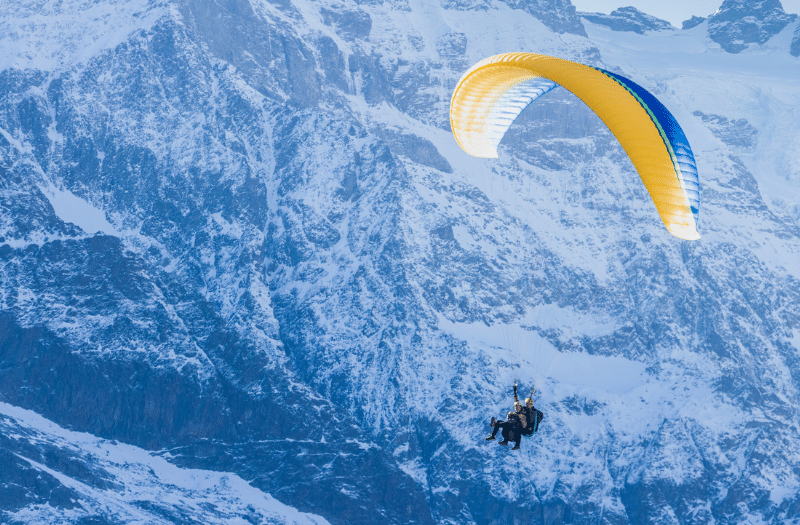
494	92
523	421
491	95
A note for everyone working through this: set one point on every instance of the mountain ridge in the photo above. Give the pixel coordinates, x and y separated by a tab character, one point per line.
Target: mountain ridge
296	261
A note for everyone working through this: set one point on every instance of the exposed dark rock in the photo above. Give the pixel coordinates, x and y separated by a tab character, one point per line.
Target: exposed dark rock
288	262
628	19
739	23
737	133
693	22
559	15
350	24
417	149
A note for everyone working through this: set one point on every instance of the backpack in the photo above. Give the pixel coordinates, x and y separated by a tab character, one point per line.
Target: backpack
537	419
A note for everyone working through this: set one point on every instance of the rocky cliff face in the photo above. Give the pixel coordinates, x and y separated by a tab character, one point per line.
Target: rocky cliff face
240	236
739	23
795	49
693	22
53	475
628	19
558	15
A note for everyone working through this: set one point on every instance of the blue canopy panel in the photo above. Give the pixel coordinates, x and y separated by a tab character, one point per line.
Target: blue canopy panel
673	136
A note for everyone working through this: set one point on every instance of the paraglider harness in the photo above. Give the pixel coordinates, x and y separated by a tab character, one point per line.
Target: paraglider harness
535	423
537	415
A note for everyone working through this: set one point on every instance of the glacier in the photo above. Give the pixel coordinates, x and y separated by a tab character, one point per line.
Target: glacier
247	275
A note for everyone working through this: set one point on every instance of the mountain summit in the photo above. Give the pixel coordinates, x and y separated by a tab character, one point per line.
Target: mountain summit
738	23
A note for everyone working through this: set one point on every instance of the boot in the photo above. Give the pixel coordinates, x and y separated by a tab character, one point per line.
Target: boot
504	442
516	447
490	438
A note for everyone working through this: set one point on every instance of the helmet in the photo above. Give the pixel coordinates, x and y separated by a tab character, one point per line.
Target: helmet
517	406
529	401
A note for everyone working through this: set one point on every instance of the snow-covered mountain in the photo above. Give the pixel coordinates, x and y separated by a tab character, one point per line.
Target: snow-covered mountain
742	22
247	273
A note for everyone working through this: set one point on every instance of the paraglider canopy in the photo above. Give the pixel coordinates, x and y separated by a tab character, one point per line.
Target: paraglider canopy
495	91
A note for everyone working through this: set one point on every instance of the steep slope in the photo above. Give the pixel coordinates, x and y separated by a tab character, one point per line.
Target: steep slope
796	42
52	475
242	235
159	331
